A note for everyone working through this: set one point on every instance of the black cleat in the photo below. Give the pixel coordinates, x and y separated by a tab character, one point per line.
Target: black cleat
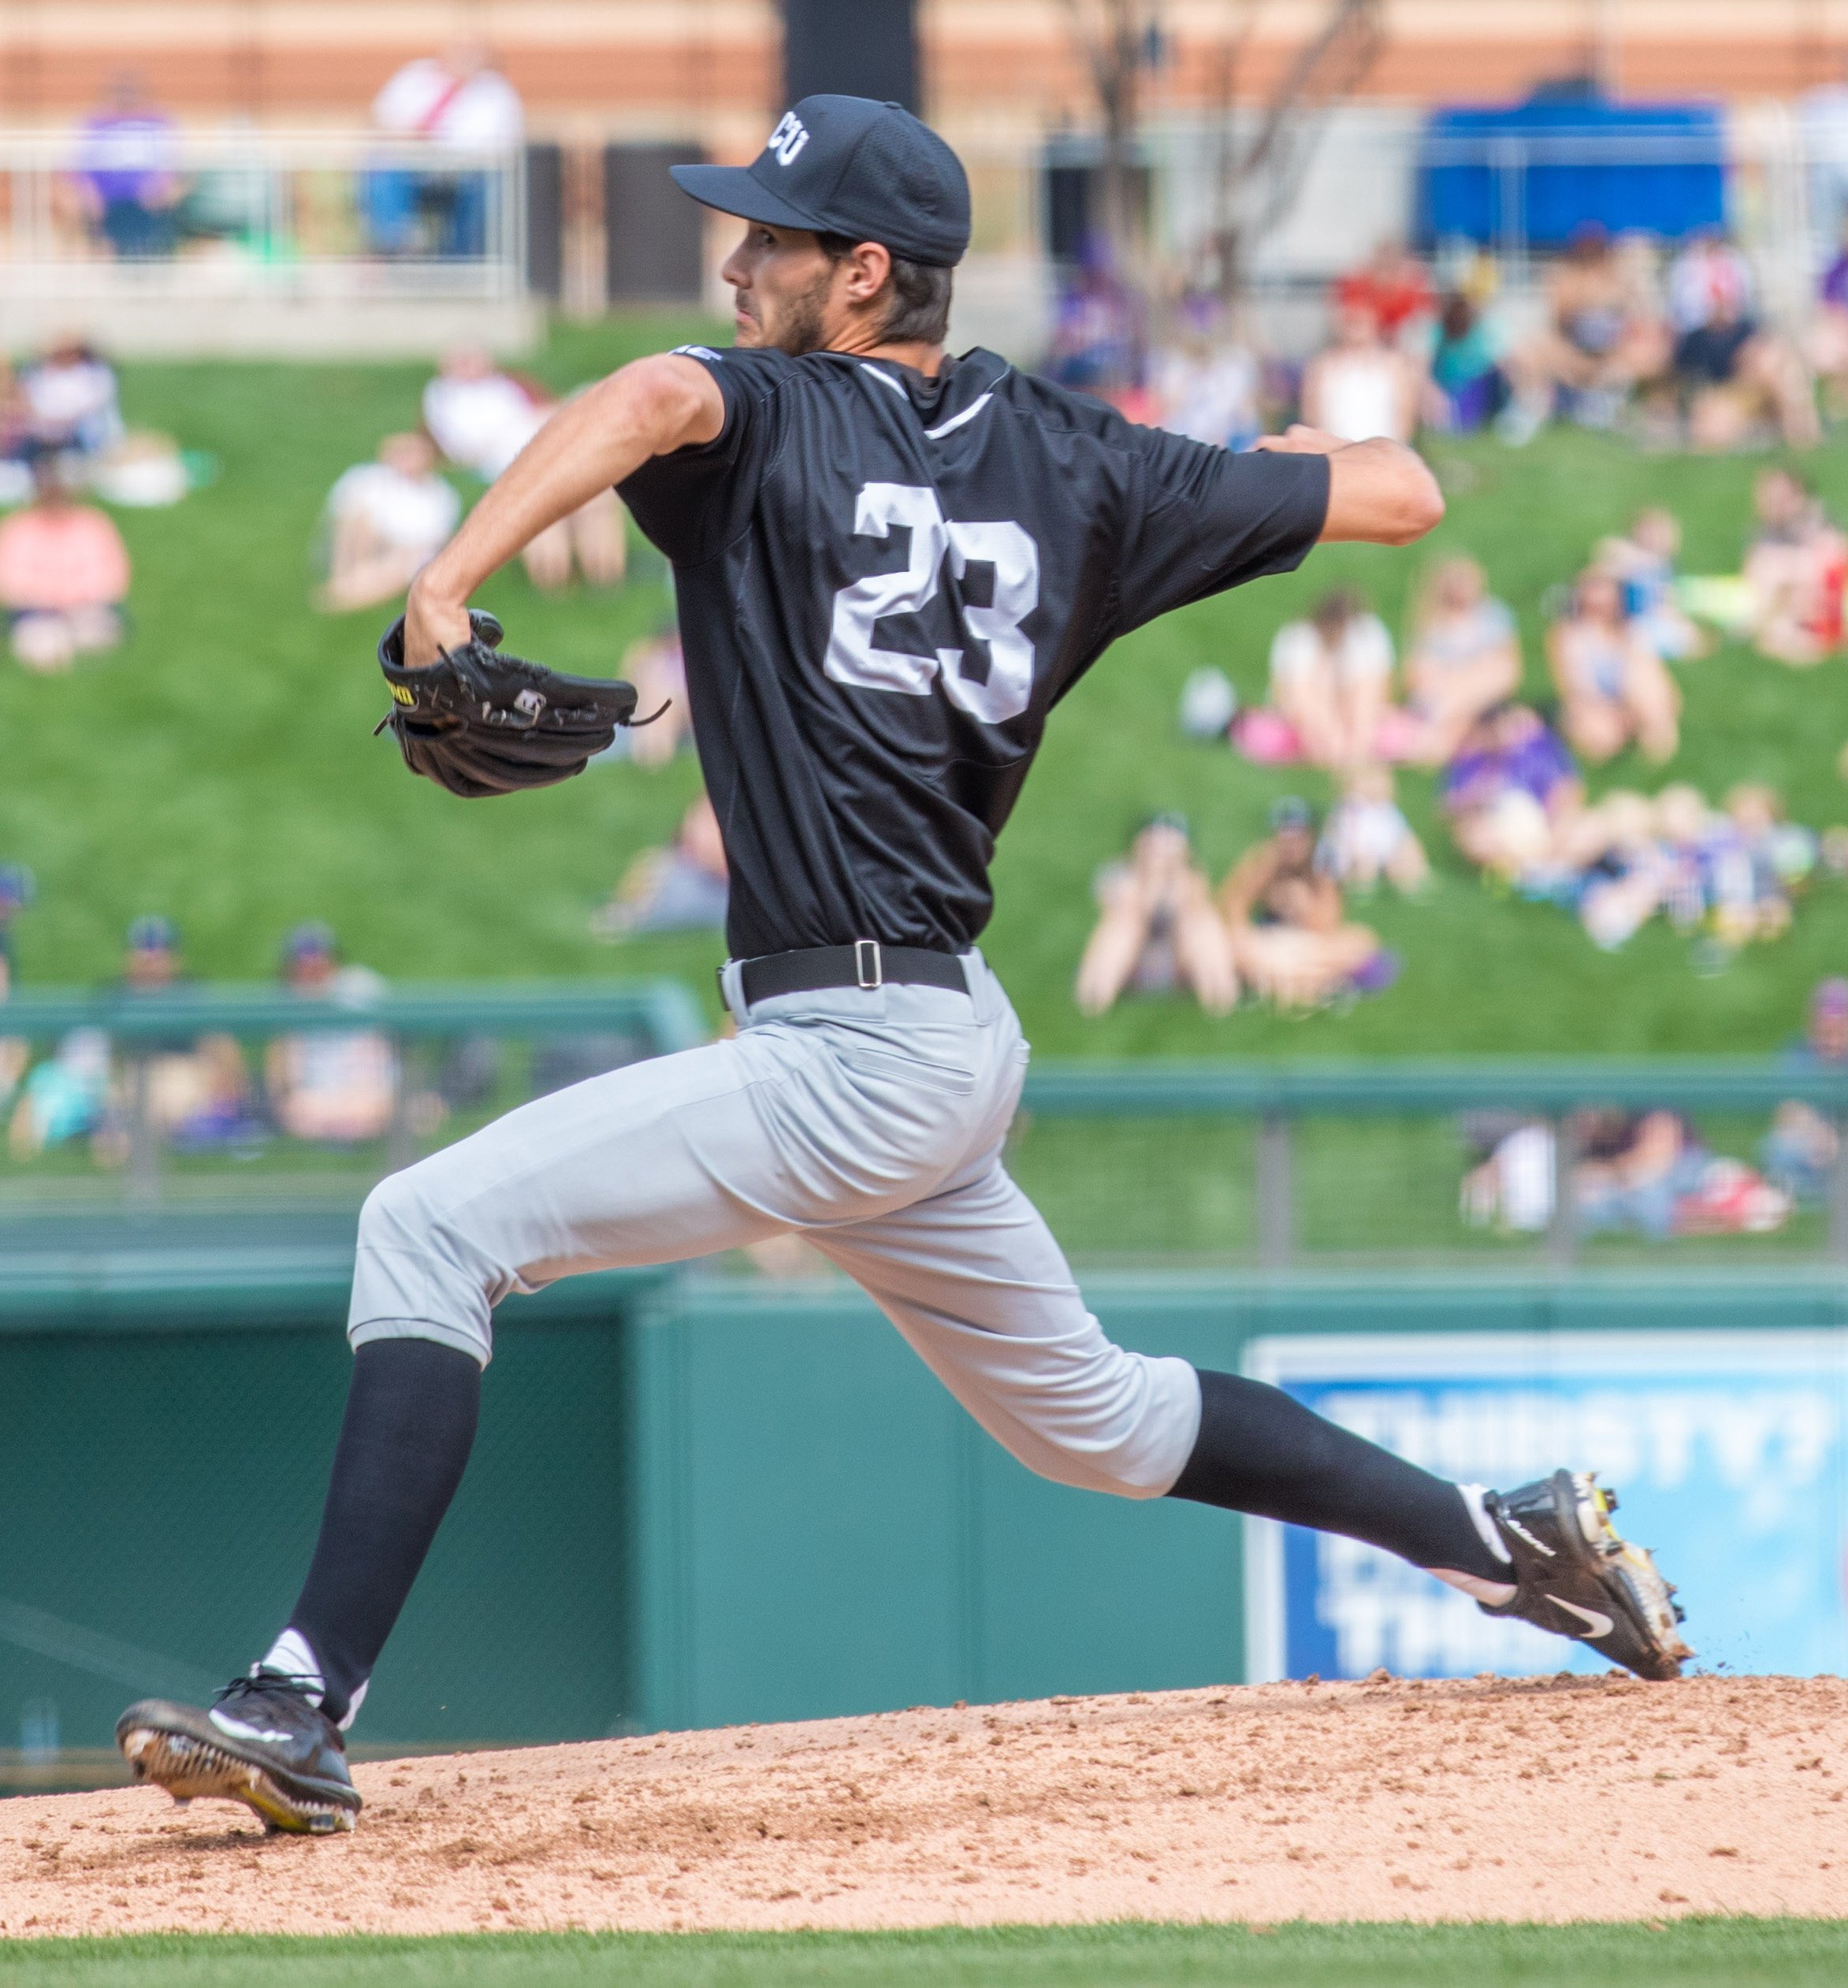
1577	1577
263	1743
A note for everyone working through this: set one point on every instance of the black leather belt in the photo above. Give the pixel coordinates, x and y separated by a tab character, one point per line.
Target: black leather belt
865	963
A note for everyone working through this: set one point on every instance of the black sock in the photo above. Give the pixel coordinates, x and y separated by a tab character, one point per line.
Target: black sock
1261	1451
410	1423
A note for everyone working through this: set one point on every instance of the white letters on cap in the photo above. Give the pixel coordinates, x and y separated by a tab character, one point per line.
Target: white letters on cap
788	139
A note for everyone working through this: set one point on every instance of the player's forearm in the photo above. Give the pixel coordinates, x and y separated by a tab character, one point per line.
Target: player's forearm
597	439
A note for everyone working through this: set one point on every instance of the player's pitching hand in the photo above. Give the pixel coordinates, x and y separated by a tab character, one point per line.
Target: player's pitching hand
430	627
1299	439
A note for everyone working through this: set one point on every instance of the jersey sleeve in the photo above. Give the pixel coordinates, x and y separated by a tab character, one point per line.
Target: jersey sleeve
1205	519
692	504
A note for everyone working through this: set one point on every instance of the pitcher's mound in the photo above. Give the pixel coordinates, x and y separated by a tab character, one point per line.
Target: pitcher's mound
1555	1799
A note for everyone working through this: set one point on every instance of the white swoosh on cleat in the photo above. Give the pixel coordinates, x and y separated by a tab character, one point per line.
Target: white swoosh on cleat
238	1730
1595	1624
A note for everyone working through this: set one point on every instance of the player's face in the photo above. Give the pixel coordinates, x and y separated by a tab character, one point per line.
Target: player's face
783	284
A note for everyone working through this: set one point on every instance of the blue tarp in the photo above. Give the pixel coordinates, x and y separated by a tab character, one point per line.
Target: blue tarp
1539	170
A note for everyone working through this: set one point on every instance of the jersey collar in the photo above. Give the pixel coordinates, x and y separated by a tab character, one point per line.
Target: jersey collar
950	401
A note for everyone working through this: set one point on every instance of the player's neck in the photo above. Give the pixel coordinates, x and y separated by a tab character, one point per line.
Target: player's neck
915	353
926	359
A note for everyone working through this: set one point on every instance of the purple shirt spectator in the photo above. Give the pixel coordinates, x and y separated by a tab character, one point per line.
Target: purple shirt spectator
127	171
128	153
1527	754
1835	282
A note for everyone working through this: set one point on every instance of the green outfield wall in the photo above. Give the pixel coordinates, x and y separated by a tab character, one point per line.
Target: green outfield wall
694	1501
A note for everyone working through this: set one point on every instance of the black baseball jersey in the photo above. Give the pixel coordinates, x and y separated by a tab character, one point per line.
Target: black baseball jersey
886	583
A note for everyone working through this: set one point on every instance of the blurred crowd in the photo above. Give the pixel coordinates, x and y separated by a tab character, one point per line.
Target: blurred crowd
65	571
1671	345
1668	342
328	1086
1653	1173
129	193
1506	780
385	518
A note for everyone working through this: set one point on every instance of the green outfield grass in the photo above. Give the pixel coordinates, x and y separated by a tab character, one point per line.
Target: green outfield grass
1689	1953
219	767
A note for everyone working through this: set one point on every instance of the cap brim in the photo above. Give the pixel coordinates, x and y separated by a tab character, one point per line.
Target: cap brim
735	190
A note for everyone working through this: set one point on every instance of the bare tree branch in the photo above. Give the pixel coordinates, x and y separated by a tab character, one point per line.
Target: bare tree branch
1260	182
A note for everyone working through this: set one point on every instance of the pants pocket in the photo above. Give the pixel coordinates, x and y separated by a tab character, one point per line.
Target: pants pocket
889	1067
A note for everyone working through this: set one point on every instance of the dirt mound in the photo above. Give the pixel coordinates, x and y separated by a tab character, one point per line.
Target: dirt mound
1555	1799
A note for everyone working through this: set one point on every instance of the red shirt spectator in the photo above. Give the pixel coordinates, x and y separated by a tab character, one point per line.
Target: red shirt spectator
1392	285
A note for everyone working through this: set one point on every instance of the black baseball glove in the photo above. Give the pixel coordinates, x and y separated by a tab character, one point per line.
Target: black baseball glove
479	722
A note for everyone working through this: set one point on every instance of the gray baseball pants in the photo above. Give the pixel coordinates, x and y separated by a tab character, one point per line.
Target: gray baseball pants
870	1122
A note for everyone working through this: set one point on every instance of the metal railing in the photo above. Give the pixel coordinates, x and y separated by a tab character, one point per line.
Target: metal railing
258	212
1283	1165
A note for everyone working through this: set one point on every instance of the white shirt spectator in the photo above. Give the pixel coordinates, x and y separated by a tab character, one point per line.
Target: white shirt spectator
71	397
1364	651
416	513
430	98
480	422
1708	279
1210	397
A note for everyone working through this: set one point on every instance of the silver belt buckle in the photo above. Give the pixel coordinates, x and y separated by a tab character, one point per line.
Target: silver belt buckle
869	969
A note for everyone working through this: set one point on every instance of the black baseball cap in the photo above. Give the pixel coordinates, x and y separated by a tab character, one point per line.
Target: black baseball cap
848	165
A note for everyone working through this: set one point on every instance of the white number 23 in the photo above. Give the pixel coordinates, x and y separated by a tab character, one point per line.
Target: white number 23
851	656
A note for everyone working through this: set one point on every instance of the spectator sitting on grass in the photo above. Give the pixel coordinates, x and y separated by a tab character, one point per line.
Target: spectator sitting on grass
1464	657
335	1087
1794	573
1392	285
1359	387
1207	389
1291	942
1367	838
1799	1152
1782	855
1466	388
1735	373
1650	1173
1331	677
64	574
1646	1173
657	668
1157	929
1641	561
481	417
71	397
1602	338
1614	689
1512	793
385	519
682	888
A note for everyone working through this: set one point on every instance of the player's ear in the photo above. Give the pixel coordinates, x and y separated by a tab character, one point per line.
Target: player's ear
869	268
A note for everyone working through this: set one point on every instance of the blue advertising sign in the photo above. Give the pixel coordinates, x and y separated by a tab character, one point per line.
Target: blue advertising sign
1730	1450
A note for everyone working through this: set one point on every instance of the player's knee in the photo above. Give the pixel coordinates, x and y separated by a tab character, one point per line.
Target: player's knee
399	1213
1126	1429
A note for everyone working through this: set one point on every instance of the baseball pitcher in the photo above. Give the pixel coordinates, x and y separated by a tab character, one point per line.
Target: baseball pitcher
890	565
